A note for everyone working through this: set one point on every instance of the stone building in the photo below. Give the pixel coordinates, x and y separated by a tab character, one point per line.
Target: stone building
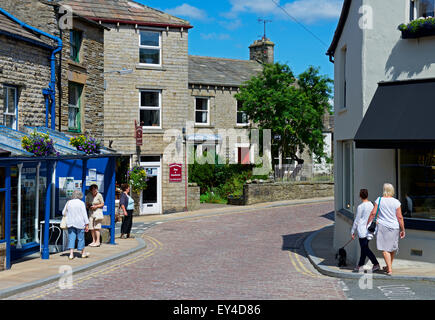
79	66
146	68
214	111
24	73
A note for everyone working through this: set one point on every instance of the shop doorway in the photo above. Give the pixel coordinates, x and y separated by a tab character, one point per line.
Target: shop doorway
151	197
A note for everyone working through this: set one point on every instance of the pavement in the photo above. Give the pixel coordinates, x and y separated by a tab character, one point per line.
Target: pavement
34	272
318	247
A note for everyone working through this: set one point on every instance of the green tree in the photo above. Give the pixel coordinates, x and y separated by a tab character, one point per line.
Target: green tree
293	109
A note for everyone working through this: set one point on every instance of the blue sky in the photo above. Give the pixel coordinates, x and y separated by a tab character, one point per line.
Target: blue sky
226	28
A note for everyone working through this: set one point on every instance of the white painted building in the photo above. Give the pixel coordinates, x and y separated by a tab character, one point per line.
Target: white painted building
384	113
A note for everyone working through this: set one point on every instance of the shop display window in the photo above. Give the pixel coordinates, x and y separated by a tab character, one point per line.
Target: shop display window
29	217
2	214
2	203
417	183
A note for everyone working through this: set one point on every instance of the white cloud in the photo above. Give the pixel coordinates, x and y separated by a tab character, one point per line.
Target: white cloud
215	36
188	11
232	24
307	11
310	11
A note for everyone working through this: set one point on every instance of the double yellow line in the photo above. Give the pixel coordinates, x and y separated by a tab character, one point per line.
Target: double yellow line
155	245
299	265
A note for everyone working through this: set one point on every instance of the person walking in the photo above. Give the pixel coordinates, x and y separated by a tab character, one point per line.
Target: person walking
77	223
95	205
390	225
360	224
126	204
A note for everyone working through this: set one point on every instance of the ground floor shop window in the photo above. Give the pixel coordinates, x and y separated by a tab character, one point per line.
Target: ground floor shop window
417	183
26	213
2	202
348	176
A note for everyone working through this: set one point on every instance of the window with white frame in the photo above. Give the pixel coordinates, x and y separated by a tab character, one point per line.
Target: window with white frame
150	108
347	175
242	117
10	107
202	112
150	47
422	8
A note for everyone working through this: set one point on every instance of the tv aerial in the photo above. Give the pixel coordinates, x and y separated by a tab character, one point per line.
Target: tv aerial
265	22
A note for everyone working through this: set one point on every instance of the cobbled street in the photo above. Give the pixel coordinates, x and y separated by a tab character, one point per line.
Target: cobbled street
232	256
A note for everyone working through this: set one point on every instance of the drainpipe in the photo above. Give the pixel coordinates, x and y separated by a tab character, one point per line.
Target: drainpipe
51	90
20	169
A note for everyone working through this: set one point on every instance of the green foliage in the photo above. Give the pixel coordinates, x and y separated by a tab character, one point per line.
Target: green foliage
212	197
218	181
293	109
137	179
418	24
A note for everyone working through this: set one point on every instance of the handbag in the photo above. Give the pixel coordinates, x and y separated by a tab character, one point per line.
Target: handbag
98	214
373	225
63	224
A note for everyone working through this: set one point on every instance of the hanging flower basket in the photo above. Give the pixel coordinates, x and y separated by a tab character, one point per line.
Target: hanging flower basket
39	144
86	144
137	179
422	27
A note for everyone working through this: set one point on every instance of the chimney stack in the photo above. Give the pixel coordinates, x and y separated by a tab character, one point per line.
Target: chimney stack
262	50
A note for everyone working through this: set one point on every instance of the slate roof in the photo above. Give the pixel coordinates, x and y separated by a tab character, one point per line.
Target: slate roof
9	27
221	72
123	11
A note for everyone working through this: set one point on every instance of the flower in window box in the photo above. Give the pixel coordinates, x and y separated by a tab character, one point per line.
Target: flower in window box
86	144
418	28
39	144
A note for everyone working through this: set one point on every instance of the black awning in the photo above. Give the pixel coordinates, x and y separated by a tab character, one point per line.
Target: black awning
401	115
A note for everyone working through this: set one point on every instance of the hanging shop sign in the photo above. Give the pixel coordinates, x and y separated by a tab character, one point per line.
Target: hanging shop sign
139	134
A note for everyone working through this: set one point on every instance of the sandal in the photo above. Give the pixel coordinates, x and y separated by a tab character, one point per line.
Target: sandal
85	255
71	257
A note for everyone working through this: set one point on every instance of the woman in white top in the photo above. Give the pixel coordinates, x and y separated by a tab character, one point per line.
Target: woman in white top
77	222
390	225
360	225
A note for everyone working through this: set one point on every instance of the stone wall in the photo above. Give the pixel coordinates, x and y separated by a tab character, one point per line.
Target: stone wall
270	192
122	100
194	197
26	67
2	256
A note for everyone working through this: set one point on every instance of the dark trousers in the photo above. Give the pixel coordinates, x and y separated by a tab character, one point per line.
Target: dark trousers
127	223
366	252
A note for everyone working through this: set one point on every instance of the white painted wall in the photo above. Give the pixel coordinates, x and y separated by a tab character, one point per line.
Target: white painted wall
376	53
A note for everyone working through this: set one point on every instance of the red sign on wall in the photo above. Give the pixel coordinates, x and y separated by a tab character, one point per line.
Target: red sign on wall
139	135
175	172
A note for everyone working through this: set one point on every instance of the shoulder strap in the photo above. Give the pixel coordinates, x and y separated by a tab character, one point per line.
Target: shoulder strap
379	204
